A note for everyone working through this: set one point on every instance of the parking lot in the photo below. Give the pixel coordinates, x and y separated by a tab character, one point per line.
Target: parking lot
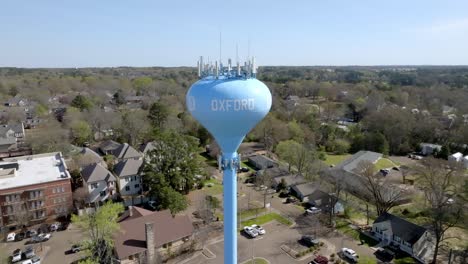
55	250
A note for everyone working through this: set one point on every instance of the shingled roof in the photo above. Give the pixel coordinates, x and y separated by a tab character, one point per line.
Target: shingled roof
132	237
95	173
128	167
407	231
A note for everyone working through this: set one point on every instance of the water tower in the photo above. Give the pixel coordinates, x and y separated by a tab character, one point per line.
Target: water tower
229	102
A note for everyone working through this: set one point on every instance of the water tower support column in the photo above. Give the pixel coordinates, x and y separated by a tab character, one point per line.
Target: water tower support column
230	163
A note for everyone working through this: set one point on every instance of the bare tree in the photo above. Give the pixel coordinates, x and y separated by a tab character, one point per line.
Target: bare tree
384	196
263	181
438	180
21	214
80	195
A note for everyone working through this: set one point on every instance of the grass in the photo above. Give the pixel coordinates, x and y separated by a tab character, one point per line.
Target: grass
384	163
266	218
343	227
252	212
336	159
256	261
406	260
216	189
248	165
366	260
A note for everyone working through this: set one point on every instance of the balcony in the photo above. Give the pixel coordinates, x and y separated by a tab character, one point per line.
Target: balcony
34	198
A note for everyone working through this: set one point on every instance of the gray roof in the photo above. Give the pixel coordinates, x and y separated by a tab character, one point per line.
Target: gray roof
88	156
128	167
407	231
109	145
274	172
306	189
125	151
16	128
291	179
95	173
262	162
144	148
7	141
351	164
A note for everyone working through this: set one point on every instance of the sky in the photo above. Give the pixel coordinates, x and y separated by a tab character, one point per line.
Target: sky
111	33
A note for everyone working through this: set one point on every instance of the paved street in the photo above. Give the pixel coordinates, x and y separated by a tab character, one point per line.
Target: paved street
54	250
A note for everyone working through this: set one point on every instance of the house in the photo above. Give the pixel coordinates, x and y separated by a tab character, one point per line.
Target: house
304	190
145	147
32	122
7	145
103	133
125	151
108	147
456	157
261	162
289	179
145	236
40	183
322	200
129	181
411	238
429	149
87	157
99	182
16	101
13	131
134	99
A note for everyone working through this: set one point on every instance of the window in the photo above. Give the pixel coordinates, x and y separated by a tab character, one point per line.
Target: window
63	189
127	179
12	198
397	238
94	185
134	178
137	186
35	194
102	194
127	188
54	190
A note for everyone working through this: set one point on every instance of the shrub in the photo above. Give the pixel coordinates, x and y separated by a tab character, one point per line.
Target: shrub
332	255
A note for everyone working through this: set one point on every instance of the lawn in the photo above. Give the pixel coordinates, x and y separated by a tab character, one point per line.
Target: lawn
252	212
367	260
256	261
344	228
384	163
216	189
336	159
263	219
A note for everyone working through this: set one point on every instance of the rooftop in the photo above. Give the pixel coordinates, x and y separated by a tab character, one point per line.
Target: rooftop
407	231
33	169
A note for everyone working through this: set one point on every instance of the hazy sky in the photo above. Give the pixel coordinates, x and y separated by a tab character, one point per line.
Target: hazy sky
174	33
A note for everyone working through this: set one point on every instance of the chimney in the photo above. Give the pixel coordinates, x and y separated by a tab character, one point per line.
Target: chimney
150	249
130	211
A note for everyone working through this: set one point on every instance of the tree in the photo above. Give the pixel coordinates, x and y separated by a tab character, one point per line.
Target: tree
54	138
158	114
213	203
142	84
439	181
383	195
81	132
100	228
81	103
21	215
134	127
263	180
298	156
170	199
172	166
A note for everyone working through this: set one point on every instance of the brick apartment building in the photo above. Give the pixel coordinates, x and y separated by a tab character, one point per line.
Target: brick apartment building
33	189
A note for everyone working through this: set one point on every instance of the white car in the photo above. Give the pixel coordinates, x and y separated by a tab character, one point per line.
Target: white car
16	255
259	229
11	237
313	210
35	260
350	254
41	237
250	231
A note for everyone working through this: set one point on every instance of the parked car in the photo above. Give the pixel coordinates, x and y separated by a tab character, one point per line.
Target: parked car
384	254
41	237
319	260
54	227
313	210
29	252
350	254
16	256
309	241
76	248
244	169
150	205
11	237
250	231
20	236
259	229
31	233
291	199
35	260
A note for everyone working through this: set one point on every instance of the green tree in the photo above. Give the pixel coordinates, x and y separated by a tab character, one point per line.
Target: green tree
141	84
81	103
13	90
170	199
119	98
213	203
158	114
295	131
444	152
100	228
299	157
81	132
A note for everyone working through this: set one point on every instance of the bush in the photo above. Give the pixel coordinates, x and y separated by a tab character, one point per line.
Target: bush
332	255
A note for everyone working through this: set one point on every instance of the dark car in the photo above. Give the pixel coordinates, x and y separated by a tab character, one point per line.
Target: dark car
291	200
31	233
244	169
20	236
309	241
319	260
76	248
384	254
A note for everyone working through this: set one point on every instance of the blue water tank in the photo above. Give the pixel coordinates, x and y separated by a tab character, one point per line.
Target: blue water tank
228	107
